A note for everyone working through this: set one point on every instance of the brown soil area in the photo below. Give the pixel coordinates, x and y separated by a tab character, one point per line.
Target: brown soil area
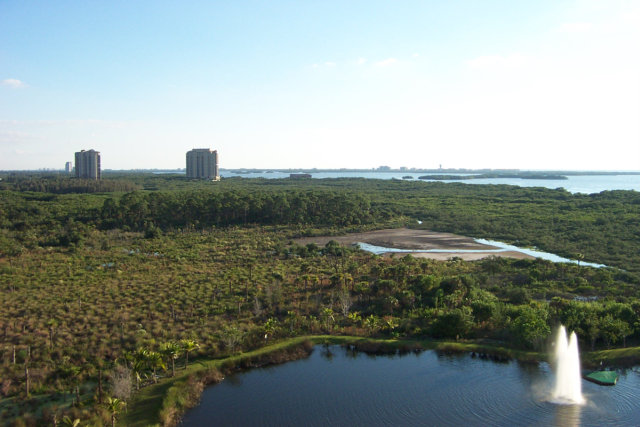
405	238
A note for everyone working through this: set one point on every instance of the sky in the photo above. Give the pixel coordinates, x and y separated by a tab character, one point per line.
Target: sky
546	84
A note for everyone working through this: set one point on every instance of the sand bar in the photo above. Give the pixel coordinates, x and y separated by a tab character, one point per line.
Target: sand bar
411	239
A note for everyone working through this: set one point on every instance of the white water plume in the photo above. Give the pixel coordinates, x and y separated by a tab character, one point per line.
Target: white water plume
568	382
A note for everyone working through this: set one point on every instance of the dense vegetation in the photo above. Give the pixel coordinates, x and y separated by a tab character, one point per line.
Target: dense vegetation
599	227
102	293
63	185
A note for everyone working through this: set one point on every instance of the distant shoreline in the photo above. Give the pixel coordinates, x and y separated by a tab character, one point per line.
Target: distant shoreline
491	173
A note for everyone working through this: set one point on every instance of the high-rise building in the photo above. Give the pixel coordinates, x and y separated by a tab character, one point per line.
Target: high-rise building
88	164
202	163
68	167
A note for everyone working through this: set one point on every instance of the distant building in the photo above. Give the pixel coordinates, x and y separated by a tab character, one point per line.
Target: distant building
68	167
88	164
202	163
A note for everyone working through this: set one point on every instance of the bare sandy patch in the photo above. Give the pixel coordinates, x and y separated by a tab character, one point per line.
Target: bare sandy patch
411	239
466	256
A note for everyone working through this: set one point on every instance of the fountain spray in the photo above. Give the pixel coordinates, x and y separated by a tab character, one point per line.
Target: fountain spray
568	385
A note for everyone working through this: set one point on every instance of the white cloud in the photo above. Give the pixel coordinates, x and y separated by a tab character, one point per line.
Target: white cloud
415	55
361	61
13	83
330	64
491	62
575	27
386	62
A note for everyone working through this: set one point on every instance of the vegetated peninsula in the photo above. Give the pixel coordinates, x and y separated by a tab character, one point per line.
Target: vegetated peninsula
144	287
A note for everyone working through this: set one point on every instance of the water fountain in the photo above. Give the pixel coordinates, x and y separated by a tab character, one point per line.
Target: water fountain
568	385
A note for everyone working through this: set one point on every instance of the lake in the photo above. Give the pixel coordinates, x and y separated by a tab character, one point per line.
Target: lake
587	184
338	387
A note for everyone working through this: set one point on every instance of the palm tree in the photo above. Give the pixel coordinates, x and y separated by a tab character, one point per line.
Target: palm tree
154	361
74	374
138	361
270	327
68	422
327	317
188	346
171	350
114	405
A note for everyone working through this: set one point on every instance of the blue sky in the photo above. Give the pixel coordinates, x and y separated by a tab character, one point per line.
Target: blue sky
275	84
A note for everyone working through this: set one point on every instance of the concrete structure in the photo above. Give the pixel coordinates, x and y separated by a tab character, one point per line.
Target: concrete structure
68	167
88	164
202	163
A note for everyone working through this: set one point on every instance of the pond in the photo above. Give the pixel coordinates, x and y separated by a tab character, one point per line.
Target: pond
336	386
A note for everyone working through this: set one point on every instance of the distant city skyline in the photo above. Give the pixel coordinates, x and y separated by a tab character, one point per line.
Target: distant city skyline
545	85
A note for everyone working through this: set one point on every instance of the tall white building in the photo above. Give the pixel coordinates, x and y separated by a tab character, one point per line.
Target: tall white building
202	163
88	164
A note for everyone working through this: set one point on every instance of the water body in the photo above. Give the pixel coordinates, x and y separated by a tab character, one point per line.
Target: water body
586	184
347	389
503	247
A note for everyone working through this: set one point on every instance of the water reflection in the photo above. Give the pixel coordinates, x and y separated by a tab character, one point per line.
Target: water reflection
234	380
326	353
567	415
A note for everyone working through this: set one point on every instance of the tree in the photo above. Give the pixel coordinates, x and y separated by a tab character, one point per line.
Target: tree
344	300
171	351
138	362
452	324
270	327
614	329
67	421
154	361
530	327
231	337
372	323
327	317
114	405
188	346
121	382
